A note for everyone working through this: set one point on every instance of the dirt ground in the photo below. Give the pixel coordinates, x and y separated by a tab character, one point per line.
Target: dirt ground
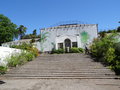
60	84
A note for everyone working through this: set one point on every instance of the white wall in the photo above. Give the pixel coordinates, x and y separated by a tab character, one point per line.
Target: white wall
6	52
60	33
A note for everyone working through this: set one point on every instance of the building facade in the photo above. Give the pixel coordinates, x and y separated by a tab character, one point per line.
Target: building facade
67	36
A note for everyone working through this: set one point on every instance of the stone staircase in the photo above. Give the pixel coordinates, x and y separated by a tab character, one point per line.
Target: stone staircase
62	66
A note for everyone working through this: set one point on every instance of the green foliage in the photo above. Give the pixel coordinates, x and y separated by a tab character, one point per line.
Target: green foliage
13	61
72	50
109	31
76	50
43	36
8	30
59	51
27	47
29	56
118	29
102	34
34	32
81	50
31	36
21	31
101	45
42	39
110	55
3	69
20	59
32	40
107	50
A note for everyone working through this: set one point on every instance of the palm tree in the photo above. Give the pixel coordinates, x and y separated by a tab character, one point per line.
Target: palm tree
21	31
42	39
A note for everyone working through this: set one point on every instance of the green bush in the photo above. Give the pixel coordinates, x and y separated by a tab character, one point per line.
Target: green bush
110	56
81	50
34	51
27	47
100	47
28	53
76	50
59	51
13	61
3	69
107	50
72	50
20	59
117	69
29	56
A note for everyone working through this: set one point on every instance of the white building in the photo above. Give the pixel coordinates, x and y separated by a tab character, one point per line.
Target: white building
68	35
63	36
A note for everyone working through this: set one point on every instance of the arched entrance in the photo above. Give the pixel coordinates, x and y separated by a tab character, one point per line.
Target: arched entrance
67	43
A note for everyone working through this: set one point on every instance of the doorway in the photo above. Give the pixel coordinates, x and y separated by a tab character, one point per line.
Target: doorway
67	44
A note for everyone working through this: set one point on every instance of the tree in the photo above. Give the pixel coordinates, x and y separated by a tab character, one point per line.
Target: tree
8	30
21	31
42	39
118	29
34	32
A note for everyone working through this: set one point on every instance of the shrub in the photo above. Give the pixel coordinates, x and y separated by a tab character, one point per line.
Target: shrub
76	50
100	47
13	61
29	56
28	53
27	47
20	59
117	69
107	50
72	50
3	69
81	50
110	56
34	51
59	51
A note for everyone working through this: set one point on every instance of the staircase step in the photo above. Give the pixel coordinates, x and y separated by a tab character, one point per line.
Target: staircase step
62	66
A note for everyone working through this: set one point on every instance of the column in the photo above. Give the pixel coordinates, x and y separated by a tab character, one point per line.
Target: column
79	42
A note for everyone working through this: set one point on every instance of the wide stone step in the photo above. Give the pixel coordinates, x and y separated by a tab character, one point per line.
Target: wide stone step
61	70
88	74
62	66
64	76
61	74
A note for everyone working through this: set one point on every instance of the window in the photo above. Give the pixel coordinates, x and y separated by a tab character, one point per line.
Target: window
60	45
74	44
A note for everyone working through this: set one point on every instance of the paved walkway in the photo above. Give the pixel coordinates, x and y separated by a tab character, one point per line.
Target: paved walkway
61	72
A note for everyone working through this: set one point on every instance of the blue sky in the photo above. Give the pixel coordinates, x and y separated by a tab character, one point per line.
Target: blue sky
36	14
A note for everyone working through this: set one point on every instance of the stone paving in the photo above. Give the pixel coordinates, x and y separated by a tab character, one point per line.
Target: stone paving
61	72
62	66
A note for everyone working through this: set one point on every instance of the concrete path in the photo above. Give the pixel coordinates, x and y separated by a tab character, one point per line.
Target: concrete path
61	72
